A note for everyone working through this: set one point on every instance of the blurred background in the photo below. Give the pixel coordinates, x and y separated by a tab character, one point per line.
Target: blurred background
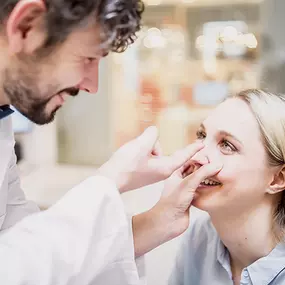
190	55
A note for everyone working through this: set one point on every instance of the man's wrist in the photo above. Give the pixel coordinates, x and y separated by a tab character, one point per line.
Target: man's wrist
106	171
168	221
164	221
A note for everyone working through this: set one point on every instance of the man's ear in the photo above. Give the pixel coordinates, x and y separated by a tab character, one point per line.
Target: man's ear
278	183
24	26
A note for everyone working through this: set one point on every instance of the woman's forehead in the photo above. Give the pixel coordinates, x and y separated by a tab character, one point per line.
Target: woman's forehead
233	116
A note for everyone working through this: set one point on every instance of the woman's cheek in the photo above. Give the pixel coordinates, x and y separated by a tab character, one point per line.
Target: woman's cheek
228	173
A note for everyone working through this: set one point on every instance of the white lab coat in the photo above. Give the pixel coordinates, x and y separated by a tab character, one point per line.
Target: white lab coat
85	238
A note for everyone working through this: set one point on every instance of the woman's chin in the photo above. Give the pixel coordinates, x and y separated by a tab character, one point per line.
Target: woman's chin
203	203
209	199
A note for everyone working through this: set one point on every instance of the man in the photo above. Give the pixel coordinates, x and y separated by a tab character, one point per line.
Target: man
51	49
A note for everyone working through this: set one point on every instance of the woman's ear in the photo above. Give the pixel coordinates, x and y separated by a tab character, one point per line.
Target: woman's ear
278	183
24	26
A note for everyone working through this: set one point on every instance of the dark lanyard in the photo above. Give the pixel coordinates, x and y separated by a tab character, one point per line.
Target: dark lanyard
5	111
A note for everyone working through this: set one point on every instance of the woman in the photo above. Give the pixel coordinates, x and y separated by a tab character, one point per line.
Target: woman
240	240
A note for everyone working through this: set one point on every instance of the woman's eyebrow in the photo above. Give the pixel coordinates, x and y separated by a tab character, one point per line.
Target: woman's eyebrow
224	133
227	134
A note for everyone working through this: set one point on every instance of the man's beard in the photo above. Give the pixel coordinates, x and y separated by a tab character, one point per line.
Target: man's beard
24	95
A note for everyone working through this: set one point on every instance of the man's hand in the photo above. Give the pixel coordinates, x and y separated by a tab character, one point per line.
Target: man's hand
170	216
178	195
140	162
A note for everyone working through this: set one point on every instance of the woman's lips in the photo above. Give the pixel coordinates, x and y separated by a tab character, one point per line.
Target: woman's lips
210	183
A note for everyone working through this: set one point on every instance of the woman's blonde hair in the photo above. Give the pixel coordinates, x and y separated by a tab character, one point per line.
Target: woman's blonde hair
269	111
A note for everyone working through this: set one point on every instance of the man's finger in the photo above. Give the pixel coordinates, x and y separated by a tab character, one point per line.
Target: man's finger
193	181
187	169
157	151
180	157
166	165
147	139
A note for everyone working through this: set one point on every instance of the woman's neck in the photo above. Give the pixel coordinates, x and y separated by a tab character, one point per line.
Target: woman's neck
248	237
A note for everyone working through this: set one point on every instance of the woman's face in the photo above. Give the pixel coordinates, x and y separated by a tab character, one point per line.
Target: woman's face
232	138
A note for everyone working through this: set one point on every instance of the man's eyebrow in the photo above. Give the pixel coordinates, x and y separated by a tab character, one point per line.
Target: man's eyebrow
99	54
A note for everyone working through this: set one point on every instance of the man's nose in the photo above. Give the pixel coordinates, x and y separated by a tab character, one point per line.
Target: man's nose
90	81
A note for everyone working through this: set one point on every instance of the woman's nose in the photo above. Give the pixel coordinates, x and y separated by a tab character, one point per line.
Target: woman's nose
200	159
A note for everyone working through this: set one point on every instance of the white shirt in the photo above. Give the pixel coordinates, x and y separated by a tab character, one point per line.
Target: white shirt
85	238
204	260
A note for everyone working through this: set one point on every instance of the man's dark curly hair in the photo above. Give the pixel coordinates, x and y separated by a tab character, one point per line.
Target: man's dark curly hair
119	20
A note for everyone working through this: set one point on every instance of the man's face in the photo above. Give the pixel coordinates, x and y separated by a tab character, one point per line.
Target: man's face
38	85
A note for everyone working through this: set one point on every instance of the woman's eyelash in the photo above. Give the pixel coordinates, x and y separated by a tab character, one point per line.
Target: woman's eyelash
229	145
225	144
200	135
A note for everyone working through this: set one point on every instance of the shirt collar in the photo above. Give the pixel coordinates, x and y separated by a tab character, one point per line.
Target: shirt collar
223	257
265	269
262	271
5	111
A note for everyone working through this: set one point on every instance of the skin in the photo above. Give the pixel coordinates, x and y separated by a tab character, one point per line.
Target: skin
33	83
36	83
243	204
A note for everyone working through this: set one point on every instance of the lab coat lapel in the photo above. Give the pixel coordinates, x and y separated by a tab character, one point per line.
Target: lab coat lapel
6	146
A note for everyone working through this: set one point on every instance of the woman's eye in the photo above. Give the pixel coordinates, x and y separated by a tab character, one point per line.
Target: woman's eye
227	146
200	135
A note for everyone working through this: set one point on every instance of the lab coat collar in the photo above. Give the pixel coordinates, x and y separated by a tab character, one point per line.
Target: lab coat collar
6	146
